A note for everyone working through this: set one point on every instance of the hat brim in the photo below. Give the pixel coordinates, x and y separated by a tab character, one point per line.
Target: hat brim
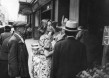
63	27
70	30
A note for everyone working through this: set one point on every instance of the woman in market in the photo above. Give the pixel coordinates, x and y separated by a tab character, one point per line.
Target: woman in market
41	63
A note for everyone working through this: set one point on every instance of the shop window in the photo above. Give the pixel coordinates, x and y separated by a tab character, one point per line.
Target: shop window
46	8
46	11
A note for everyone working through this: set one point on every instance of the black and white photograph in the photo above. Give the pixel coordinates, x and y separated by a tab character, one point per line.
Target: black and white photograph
54	38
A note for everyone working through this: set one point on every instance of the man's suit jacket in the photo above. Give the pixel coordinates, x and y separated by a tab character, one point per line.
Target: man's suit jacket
69	58
18	57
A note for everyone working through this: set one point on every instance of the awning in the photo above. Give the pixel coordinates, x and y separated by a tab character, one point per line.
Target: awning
39	3
29	6
27	1
25	8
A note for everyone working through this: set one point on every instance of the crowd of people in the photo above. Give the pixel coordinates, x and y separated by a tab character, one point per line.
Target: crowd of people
50	34
61	52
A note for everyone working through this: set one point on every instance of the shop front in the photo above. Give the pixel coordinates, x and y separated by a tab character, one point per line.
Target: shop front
93	15
24	14
52	10
42	9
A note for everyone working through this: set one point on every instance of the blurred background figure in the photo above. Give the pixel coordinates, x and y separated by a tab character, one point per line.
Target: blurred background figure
94	48
4	52
29	32
5	34
63	21
81	32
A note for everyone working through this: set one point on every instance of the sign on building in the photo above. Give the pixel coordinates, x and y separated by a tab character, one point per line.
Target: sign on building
106	35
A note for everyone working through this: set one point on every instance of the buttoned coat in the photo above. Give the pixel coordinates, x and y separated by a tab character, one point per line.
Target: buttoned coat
17	58
69	58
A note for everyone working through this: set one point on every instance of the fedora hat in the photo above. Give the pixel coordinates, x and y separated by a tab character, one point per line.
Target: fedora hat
71	26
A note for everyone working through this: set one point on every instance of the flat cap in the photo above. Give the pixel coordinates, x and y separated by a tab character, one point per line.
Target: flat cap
19	24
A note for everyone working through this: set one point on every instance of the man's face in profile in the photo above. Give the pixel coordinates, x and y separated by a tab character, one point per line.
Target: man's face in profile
22	30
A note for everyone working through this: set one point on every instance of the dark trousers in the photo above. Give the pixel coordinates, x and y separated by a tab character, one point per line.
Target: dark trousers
4	69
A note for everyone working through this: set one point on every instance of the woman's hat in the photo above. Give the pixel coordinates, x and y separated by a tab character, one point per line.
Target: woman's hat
71	26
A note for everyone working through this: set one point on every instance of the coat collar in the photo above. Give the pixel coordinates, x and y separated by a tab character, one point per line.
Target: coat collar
20	39
71	37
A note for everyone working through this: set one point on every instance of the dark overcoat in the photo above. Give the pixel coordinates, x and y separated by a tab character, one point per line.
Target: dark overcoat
18	57
69	58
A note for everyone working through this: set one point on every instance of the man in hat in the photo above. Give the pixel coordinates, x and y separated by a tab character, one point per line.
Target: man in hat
69	56
18	55
6	34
